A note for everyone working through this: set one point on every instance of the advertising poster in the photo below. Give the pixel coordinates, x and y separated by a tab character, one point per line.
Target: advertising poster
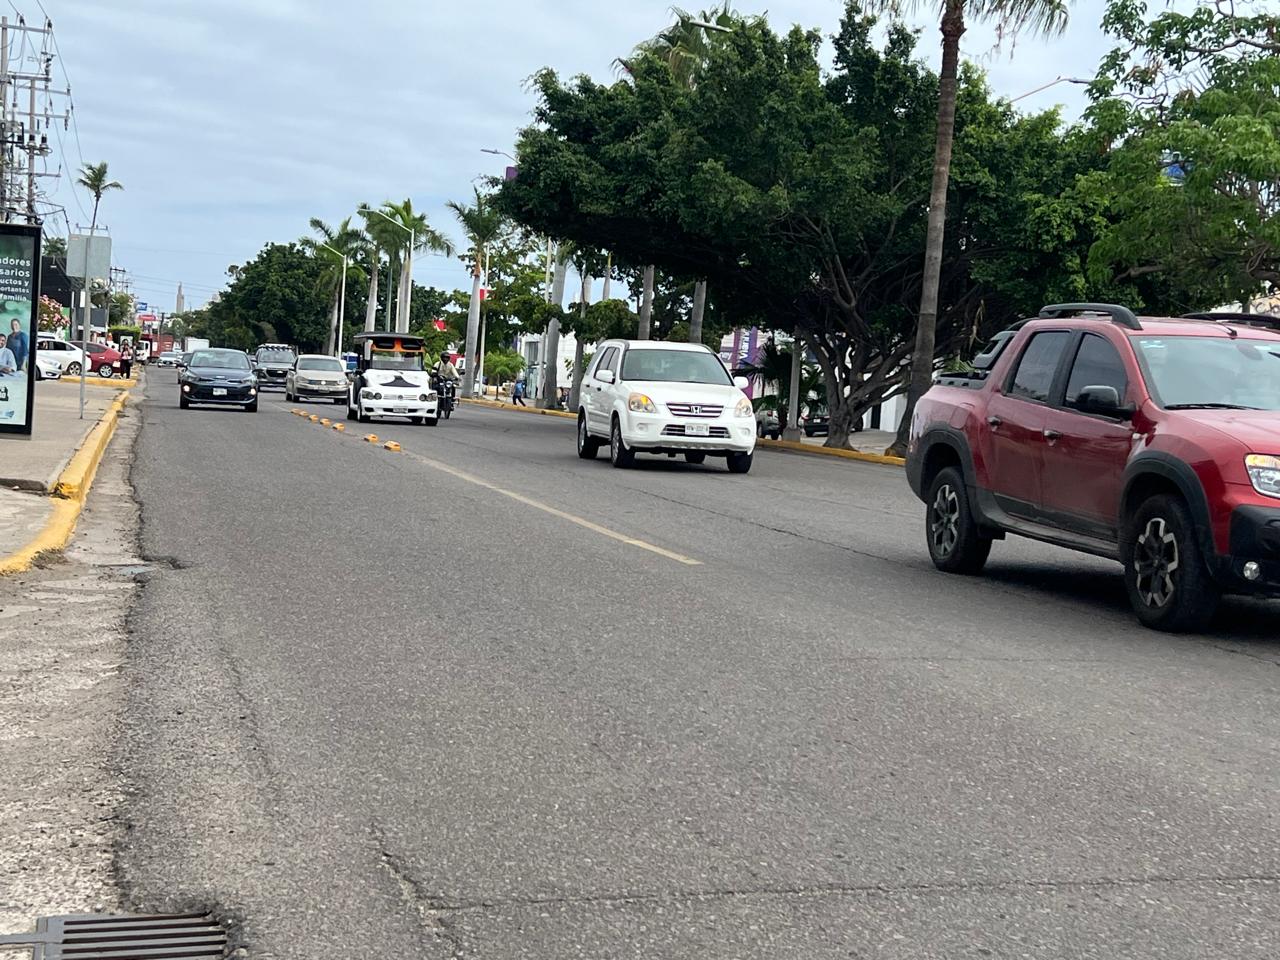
19	290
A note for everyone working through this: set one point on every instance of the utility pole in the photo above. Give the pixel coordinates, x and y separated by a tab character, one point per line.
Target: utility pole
4	118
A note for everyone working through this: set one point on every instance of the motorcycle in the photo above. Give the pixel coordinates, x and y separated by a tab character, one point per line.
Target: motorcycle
448	392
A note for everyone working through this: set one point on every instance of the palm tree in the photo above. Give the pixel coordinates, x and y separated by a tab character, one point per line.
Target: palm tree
1046	17
383	238
484	224
93	177
330	245
420	236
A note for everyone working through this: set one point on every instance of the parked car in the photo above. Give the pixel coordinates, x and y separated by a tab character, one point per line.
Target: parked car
652	396
815	422
317	376
104	360
68	356
223	377
273	362
768	424
46	367
169	358
1149	441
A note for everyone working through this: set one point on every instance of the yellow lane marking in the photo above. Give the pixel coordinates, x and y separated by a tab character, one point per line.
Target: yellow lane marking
555	512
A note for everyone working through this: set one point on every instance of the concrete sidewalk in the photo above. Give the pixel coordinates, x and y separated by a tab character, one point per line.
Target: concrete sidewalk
30	469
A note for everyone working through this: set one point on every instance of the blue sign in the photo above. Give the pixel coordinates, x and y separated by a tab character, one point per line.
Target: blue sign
140	307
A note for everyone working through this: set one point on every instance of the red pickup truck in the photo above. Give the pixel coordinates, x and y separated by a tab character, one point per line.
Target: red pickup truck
1154	442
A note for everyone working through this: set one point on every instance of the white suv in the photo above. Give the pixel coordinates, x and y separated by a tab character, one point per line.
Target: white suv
649	396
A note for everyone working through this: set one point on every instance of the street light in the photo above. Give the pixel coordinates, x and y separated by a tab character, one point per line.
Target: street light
408	260
342	298
499	153
1051	83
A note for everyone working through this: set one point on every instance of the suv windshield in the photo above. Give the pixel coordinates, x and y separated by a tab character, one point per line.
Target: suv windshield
221	359
395	360
321	363
275	356
675	366
1209	372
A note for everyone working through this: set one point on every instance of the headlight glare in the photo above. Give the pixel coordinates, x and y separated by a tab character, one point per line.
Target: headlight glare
1264	471
639	403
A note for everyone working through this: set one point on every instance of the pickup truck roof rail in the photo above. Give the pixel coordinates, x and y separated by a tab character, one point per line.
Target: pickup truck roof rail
1118	314
1264	320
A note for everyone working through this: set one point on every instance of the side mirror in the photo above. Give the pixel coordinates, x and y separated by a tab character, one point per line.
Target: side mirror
606	376
741	383
1102	400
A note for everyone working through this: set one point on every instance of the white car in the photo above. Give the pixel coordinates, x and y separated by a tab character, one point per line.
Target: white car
392	380
649	396
68	356
317	376
47	367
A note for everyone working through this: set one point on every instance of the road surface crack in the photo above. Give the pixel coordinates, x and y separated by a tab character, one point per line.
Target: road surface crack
429	908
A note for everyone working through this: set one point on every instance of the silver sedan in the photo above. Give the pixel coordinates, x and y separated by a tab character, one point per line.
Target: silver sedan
316	376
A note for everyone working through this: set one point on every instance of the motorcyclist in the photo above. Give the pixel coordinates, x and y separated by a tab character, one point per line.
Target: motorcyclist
445	370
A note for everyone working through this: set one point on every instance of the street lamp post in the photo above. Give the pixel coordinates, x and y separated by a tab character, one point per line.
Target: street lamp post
402	318
1051	83
342	299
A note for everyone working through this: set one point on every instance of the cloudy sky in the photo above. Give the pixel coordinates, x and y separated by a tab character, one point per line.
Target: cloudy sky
232	122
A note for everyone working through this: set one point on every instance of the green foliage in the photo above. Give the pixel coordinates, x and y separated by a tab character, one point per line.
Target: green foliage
54	246
120	309
501	366
276	297
119	332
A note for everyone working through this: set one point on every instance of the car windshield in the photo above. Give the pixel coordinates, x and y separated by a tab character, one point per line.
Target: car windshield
275	356
221	359
395	360
675	366
1211	372
330	364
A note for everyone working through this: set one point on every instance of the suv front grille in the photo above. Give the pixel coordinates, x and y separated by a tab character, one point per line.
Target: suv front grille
709	411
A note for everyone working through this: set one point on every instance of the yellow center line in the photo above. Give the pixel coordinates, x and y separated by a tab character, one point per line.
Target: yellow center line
555	512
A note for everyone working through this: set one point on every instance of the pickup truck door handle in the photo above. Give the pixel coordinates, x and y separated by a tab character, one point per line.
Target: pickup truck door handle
994	421
1052	435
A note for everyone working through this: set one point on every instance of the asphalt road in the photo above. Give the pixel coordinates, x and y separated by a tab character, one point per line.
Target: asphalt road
481	699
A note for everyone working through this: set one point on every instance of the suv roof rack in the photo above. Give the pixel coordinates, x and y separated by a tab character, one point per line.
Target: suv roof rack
1118	314
1266	321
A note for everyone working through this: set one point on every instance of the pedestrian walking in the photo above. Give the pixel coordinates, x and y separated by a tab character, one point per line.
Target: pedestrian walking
126	360
517	393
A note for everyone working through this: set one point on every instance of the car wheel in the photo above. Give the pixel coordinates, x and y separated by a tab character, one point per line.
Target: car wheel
73	369
1165	572
956	542
106	372
39	373
431	421
588	446
619	455
183	403
695	457
739	462
361	416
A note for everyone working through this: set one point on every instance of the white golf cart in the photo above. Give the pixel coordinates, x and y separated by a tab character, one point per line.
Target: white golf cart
390	380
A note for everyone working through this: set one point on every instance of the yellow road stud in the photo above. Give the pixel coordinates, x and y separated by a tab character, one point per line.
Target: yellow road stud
392	446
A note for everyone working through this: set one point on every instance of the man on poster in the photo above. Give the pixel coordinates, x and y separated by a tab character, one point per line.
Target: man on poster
19	283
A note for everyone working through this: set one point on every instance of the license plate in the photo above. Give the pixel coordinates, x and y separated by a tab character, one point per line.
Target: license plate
697	430
399	409
219	391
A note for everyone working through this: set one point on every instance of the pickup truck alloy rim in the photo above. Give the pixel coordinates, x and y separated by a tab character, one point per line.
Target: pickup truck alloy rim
1156	560
944	520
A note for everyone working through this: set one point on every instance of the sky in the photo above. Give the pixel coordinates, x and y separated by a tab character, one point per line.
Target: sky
232	122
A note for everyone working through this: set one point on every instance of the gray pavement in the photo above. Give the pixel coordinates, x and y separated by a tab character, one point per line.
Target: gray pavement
483	699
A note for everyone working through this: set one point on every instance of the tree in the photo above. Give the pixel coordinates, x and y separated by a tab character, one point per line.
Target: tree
419	235
484	224
1192	104
503	366
276	297
330	246
94	178
1044	16
55	247
120	309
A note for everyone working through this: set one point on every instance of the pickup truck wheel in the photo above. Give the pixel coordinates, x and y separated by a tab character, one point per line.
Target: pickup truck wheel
956	544
1165	573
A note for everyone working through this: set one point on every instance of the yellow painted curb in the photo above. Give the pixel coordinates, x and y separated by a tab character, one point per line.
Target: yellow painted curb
339	426
112	382
68	493
370	438
325	421
831	452
392	446
496	405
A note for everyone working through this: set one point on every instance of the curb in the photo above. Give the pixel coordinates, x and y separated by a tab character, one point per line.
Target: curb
69	493
113	382
773	444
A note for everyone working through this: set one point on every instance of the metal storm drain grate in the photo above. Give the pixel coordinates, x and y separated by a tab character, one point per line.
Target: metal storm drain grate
122	937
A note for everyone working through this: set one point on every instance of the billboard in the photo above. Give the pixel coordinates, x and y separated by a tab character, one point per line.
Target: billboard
19	294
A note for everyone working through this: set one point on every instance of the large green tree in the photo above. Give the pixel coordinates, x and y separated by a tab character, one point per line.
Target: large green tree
275	297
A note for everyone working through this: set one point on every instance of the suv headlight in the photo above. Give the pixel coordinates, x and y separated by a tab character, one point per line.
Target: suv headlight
639	403
744	408
1264	471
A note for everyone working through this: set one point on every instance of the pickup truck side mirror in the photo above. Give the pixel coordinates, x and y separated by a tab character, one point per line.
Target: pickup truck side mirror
1104	401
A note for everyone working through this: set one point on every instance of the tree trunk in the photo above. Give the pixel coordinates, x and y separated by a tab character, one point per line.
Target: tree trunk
608	277
406	295
927	326
575	390
333	326
371	309
473	333
551	344
646	303
699	306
